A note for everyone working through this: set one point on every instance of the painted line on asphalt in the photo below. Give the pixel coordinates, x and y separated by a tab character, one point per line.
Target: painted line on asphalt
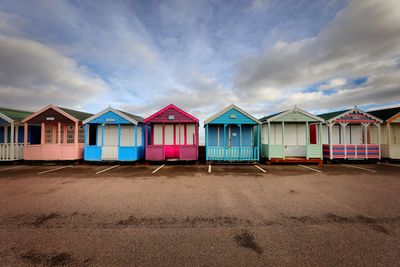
309	168
356	167
11	168
158	168
261	169
56	169
394	165
209	168
110	168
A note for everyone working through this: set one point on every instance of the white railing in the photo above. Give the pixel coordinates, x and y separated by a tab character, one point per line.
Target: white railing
6	149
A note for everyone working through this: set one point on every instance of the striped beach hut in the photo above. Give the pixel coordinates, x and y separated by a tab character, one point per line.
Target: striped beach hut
58	134
114	135
232	135
12	134
286	137
390	132
347	135
171	134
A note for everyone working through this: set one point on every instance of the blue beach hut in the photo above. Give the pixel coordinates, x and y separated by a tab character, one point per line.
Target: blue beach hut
114	135
232	135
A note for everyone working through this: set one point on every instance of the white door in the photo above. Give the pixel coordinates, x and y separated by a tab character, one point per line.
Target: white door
110	147
295	140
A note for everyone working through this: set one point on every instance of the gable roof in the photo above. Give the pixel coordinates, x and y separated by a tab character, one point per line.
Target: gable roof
229	108
284	113
170	106
80	115
337	114
270	116
386	114
129	117
73	115
330	115
13	115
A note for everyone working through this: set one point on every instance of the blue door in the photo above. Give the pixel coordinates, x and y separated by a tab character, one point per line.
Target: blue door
234	136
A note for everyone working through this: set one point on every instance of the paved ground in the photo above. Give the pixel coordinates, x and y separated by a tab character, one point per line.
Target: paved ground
182	215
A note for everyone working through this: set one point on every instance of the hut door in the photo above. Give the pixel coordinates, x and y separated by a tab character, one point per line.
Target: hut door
110	147
234	132
171	149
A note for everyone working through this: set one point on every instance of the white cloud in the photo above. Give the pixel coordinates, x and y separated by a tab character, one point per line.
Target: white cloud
33	75
333	83
361	41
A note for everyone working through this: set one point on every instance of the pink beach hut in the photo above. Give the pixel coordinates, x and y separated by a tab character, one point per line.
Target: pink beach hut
171	134
61	134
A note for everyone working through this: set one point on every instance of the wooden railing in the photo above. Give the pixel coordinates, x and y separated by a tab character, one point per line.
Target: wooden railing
352	151
5	151
232	153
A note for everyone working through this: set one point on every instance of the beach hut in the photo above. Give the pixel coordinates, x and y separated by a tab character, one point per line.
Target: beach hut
390	132
12	134
171	134
347	135
286	138
60	134
114	135
232	135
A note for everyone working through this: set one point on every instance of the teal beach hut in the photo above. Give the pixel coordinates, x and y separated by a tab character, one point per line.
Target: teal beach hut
114	135
232	135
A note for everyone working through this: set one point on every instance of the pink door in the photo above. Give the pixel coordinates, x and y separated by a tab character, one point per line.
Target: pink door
171	149
171	152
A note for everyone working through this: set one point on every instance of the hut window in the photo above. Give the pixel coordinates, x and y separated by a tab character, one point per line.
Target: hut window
92	135
51	135
70	134
158	134
48	134
190	132
127	135
35	136
62	134
81	134
110	135
99	135
181	134
139	137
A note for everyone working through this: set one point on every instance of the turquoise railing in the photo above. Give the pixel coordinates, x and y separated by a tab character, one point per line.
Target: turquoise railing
232	153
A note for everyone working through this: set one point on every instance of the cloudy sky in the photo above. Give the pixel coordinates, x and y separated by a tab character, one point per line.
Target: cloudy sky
263	55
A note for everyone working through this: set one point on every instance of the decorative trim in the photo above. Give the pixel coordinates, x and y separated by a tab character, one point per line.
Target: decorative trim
357	111
229	108
294	110
47	108
119	113
171	106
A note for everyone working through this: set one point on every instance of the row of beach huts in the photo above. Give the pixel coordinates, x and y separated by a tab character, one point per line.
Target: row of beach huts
231	135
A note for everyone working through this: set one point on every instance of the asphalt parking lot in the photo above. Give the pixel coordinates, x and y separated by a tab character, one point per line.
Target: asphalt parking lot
223	215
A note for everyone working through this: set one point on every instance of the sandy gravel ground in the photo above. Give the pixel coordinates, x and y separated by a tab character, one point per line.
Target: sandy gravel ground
184	216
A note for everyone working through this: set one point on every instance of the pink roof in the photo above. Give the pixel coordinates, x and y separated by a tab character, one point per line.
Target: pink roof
171	110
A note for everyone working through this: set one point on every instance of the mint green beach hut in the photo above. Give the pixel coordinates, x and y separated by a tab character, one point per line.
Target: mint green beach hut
285	137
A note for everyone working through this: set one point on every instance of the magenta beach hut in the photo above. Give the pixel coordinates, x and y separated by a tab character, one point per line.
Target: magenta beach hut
60	134
171	134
